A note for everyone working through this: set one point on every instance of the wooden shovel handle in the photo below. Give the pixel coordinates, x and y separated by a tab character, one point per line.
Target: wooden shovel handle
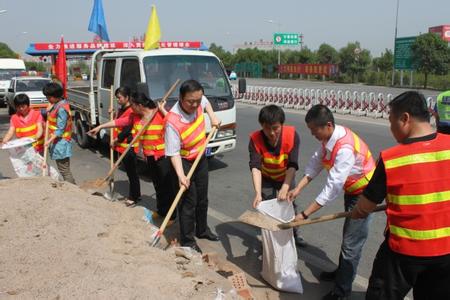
138	135
189	175
111	132
45	168
325	218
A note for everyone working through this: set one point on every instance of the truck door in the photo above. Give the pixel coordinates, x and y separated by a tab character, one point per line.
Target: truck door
130	74
108	76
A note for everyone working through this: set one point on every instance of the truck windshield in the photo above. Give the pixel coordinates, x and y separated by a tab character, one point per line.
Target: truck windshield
7	74
162	71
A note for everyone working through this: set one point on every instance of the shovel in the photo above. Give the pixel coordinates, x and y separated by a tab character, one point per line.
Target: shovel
109	195
266	222
157	235
45	169
92	186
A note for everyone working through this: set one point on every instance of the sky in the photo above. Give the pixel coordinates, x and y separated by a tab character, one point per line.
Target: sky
226	23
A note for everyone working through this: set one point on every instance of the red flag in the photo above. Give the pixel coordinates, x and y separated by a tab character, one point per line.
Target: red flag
61	67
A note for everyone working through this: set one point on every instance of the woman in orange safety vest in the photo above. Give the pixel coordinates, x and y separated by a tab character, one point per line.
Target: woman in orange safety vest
26	122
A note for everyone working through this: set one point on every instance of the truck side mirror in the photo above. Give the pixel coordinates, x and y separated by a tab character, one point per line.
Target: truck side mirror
11	90
242	86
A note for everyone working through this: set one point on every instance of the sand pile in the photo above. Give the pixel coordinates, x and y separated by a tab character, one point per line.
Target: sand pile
58	242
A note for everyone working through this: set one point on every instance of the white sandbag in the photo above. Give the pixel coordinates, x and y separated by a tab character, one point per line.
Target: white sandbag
25	160
279	260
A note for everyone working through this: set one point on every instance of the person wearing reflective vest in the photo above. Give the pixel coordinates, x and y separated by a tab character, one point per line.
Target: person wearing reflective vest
350	166
152	143
122	137
414	179
185	135
26	123
59	129
442	112
274	159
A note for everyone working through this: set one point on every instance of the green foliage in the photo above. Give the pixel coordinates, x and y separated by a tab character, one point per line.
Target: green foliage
385	62
6	52
431	55
36	66
354	61
327	55
225	56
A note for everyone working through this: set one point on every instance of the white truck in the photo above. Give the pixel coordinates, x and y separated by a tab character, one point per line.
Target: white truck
9	68
154	71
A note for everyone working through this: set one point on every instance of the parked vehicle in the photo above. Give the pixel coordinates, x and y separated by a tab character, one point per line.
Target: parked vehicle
154	72
29	85
9	68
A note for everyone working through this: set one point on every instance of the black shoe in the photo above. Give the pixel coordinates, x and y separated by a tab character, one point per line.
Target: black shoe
209	236
300	242
328	276
332	296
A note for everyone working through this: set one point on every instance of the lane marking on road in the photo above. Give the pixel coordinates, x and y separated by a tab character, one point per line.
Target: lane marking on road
307	257
353	118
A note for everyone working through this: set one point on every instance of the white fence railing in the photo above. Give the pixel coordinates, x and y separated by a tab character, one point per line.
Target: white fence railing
343	102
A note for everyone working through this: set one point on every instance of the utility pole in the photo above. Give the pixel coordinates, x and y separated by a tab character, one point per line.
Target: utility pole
395	38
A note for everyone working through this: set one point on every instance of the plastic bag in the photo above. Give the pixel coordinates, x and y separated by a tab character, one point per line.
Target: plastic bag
26	161
279	260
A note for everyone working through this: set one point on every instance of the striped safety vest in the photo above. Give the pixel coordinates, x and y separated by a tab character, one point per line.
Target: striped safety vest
274	166
443	108
52	119
27	127
192	135
418	197
152	140
355	183
121	146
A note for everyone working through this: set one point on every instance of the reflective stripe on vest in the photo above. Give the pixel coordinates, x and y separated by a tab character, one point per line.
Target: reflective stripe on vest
418	197
274	166
192	135
29	128
52	120
152	140
355	183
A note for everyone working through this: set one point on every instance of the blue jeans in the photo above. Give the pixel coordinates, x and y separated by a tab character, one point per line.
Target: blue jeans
354	235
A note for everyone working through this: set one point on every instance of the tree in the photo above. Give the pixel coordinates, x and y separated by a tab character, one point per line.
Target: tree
327	54
354	60
431	55
6	52
225	56
384	63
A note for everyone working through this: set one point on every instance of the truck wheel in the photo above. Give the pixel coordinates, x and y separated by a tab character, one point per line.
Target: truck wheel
11	110
80	132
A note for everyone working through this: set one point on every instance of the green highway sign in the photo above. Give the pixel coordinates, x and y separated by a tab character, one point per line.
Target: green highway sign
286	39
402	53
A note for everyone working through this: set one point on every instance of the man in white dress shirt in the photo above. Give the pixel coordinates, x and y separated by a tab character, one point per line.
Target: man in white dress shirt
350	166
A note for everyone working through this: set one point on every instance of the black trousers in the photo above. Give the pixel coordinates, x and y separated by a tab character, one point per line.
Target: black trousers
393	276
130	165
193	206
161	173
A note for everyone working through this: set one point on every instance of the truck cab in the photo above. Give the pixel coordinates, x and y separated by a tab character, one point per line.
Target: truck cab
159	69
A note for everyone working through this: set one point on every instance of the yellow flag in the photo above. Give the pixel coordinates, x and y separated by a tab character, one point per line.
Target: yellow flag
153	34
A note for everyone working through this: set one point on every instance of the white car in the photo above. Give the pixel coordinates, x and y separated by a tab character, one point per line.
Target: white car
233	75
32	87
84	76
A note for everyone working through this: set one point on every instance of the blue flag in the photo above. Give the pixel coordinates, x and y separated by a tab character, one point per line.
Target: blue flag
97	23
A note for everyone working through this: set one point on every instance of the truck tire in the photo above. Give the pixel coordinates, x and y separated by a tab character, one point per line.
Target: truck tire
81	130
